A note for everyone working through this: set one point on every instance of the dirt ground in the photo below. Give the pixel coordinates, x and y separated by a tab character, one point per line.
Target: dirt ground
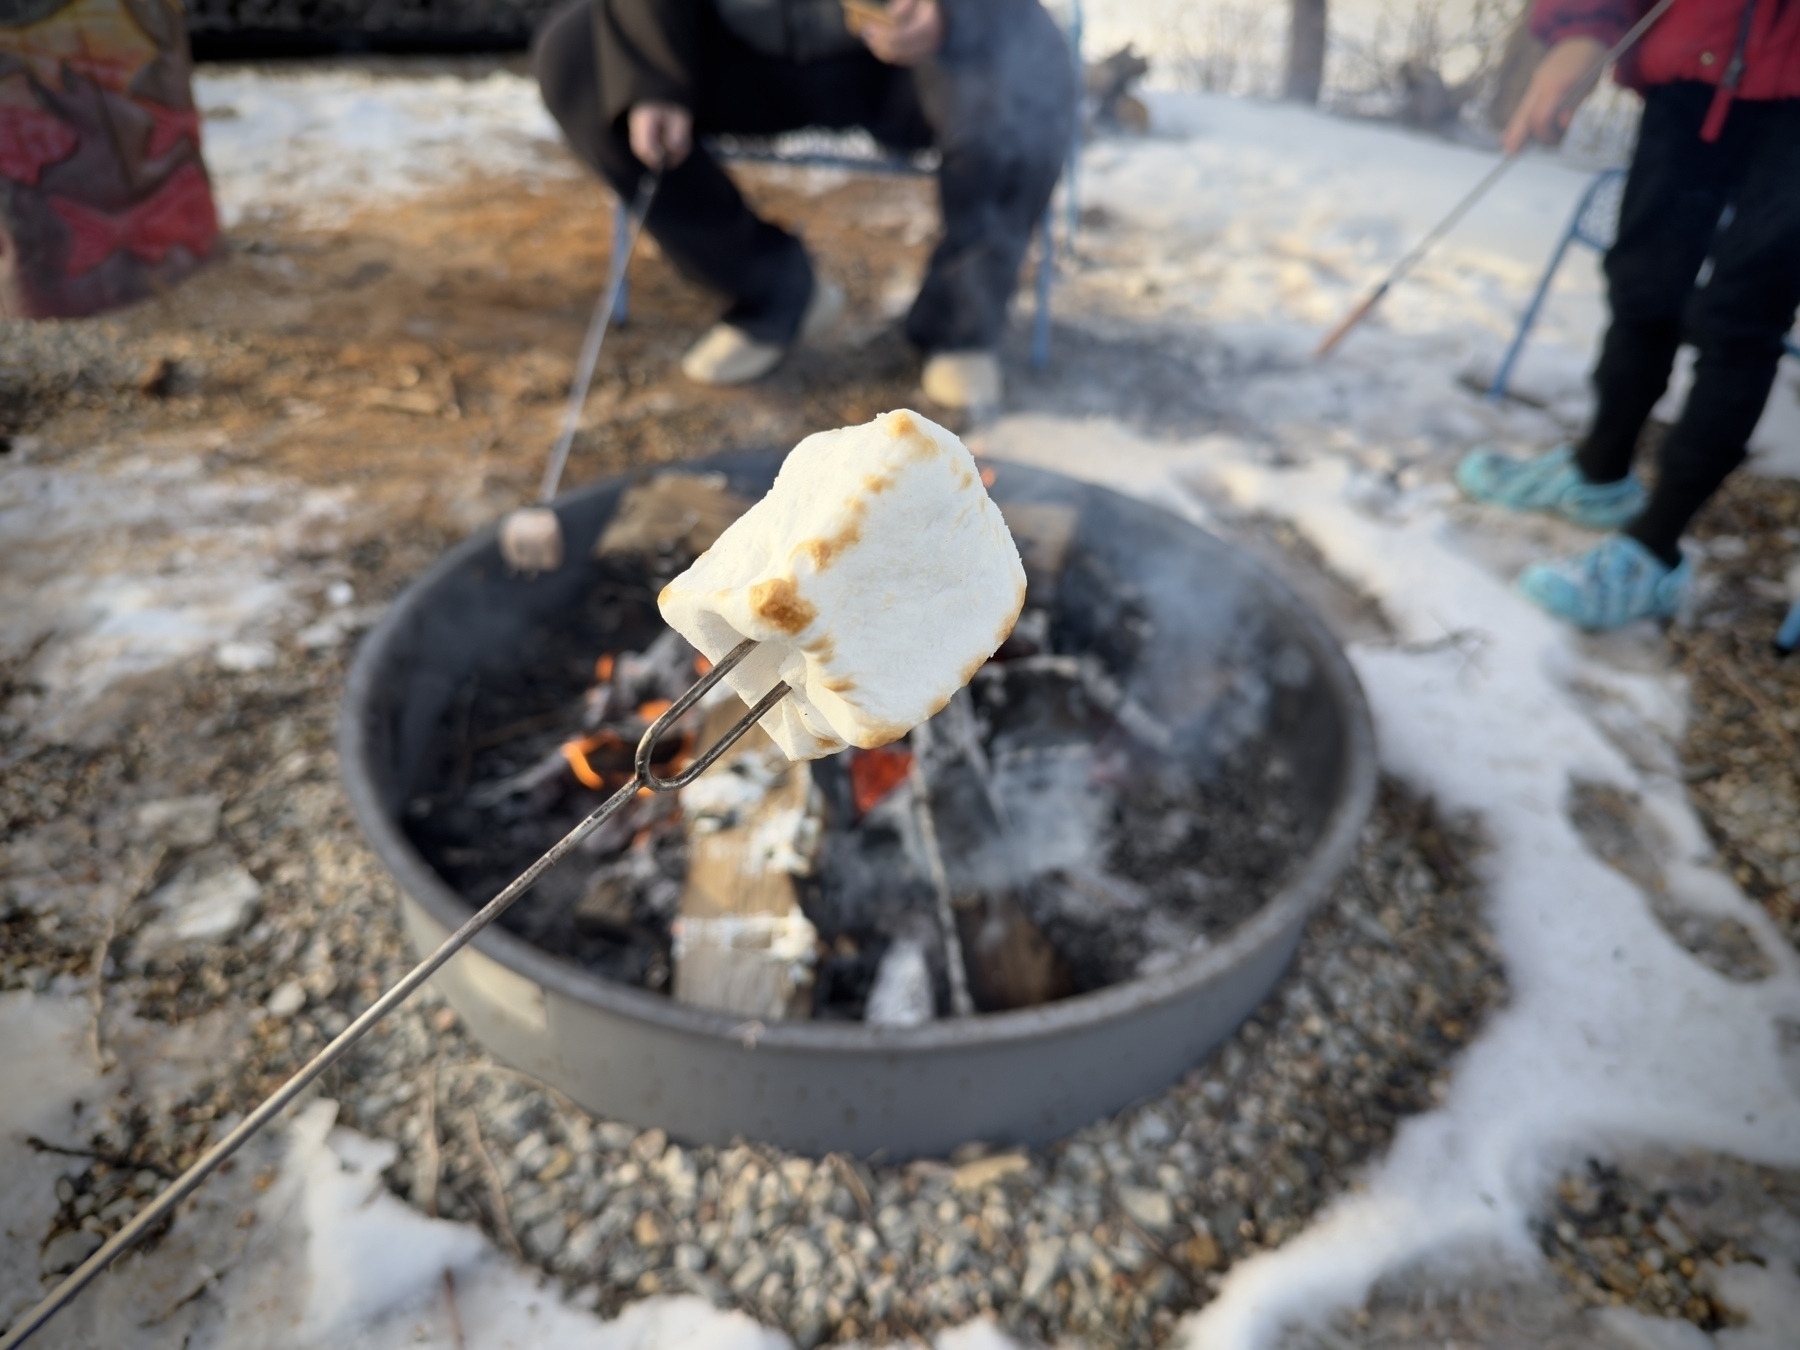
418	357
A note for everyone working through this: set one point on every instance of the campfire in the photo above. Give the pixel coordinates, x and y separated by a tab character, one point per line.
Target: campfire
1046	834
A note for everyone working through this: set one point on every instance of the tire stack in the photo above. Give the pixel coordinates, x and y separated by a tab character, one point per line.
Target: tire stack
104	199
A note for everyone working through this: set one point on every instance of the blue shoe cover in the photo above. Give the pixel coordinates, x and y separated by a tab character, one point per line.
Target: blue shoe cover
1551	483
1614	583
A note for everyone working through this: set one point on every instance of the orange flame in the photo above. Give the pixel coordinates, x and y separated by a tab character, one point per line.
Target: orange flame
701	664
987	477
654	709
577	752
603	668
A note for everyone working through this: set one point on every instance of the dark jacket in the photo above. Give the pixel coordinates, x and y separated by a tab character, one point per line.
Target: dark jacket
648	49
798	30
1748	49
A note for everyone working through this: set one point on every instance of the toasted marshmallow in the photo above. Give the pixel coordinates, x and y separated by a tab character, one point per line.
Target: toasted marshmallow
876	575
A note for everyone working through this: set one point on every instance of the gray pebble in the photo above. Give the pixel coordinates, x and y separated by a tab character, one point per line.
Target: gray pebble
65	1251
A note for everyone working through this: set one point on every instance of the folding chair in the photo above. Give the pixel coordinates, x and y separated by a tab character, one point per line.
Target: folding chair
922	165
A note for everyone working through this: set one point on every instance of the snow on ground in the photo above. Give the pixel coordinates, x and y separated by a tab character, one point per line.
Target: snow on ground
311	143
376	1273
44	1070
1251	226
218	581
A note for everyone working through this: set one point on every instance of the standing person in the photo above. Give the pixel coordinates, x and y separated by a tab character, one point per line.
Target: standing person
989	83
1720	128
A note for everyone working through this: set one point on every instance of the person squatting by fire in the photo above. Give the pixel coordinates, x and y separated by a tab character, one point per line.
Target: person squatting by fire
636	84
1716	175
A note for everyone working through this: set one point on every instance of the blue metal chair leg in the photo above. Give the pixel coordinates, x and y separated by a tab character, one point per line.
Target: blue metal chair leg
621	241
1040	327
1497	390
1789	636
1071	196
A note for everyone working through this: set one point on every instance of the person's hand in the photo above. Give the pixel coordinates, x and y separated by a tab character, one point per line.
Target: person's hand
910	31
1548	107
661	134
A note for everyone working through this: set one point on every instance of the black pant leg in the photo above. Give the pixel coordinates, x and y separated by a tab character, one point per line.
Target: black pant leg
1001	106
1674	194
699	218
1737	323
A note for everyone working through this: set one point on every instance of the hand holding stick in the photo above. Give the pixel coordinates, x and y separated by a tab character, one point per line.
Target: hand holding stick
1527	123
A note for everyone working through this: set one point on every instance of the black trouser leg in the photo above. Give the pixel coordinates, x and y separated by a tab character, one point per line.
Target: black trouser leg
699	218
1737	322
1002	114
1676	189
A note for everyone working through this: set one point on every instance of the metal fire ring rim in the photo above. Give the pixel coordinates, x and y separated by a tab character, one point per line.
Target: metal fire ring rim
1290	906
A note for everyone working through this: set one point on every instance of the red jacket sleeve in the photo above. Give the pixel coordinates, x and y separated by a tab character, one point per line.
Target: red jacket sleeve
1607	20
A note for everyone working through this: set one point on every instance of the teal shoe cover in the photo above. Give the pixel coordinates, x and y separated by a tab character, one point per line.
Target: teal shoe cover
1614	583
1550	483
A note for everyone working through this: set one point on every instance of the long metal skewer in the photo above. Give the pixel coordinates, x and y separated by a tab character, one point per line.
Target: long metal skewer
956	965
596	334
1398	272
189	1181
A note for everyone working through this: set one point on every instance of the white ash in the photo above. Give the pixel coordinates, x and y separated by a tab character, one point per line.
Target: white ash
902	994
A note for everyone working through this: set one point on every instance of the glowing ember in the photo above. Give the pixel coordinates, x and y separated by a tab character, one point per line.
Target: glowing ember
875	773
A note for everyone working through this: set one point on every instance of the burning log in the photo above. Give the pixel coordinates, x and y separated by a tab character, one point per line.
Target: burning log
999	958
664	524
742	943
1011	963
1043	532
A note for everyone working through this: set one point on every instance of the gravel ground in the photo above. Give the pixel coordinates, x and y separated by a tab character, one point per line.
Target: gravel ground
1742	751
1630	1246
1109	1236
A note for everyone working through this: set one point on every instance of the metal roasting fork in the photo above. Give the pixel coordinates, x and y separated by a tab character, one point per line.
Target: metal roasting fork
184	1185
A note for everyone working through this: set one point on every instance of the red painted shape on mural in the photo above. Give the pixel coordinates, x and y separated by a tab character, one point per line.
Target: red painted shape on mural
172	126
30	140
180	212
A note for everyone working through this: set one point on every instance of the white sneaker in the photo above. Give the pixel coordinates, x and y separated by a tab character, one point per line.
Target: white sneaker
962	379
726	354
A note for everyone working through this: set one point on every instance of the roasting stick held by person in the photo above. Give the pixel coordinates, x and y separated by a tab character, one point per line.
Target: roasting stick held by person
1720	129
988	83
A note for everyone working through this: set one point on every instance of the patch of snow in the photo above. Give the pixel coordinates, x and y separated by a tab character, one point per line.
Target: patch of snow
314	145
1638	1331
200	903
179	822
121	569
45	1070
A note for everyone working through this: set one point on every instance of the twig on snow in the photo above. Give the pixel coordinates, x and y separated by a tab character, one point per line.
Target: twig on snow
496	1187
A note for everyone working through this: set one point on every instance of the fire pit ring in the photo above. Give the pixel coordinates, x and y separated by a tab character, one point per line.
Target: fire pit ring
816	1086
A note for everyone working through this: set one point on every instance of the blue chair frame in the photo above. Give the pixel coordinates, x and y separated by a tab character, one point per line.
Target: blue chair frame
1595	223
907	166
